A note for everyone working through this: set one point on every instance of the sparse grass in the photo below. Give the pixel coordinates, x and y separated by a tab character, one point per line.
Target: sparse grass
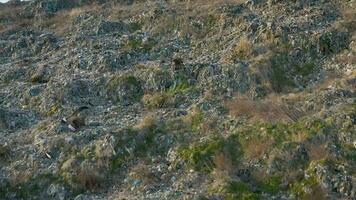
83	172
200	156
271	121
275	64
147	122
138	141
194	119
278	77
180	85
141	171
305	69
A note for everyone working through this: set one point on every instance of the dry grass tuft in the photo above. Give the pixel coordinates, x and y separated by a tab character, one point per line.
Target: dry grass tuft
147	122
254	149
317	152
242	49
223	164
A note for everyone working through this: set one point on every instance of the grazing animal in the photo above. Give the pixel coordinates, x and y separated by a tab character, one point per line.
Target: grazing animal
75	120
177	63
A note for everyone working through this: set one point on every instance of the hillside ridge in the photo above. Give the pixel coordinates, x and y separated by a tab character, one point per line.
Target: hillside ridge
173	99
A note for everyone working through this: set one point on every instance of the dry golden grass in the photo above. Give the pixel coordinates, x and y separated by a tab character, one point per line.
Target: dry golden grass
271	109
119	11
242	49
203	5
61	23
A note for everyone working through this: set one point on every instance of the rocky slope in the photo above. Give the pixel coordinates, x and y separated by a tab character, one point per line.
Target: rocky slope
213	99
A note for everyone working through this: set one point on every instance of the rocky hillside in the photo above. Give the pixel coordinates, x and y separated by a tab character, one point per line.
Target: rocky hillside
173	99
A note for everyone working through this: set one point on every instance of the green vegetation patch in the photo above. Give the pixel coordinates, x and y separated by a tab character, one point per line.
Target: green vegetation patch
169	97
270	184
236	190
298	188
196	119
200	156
